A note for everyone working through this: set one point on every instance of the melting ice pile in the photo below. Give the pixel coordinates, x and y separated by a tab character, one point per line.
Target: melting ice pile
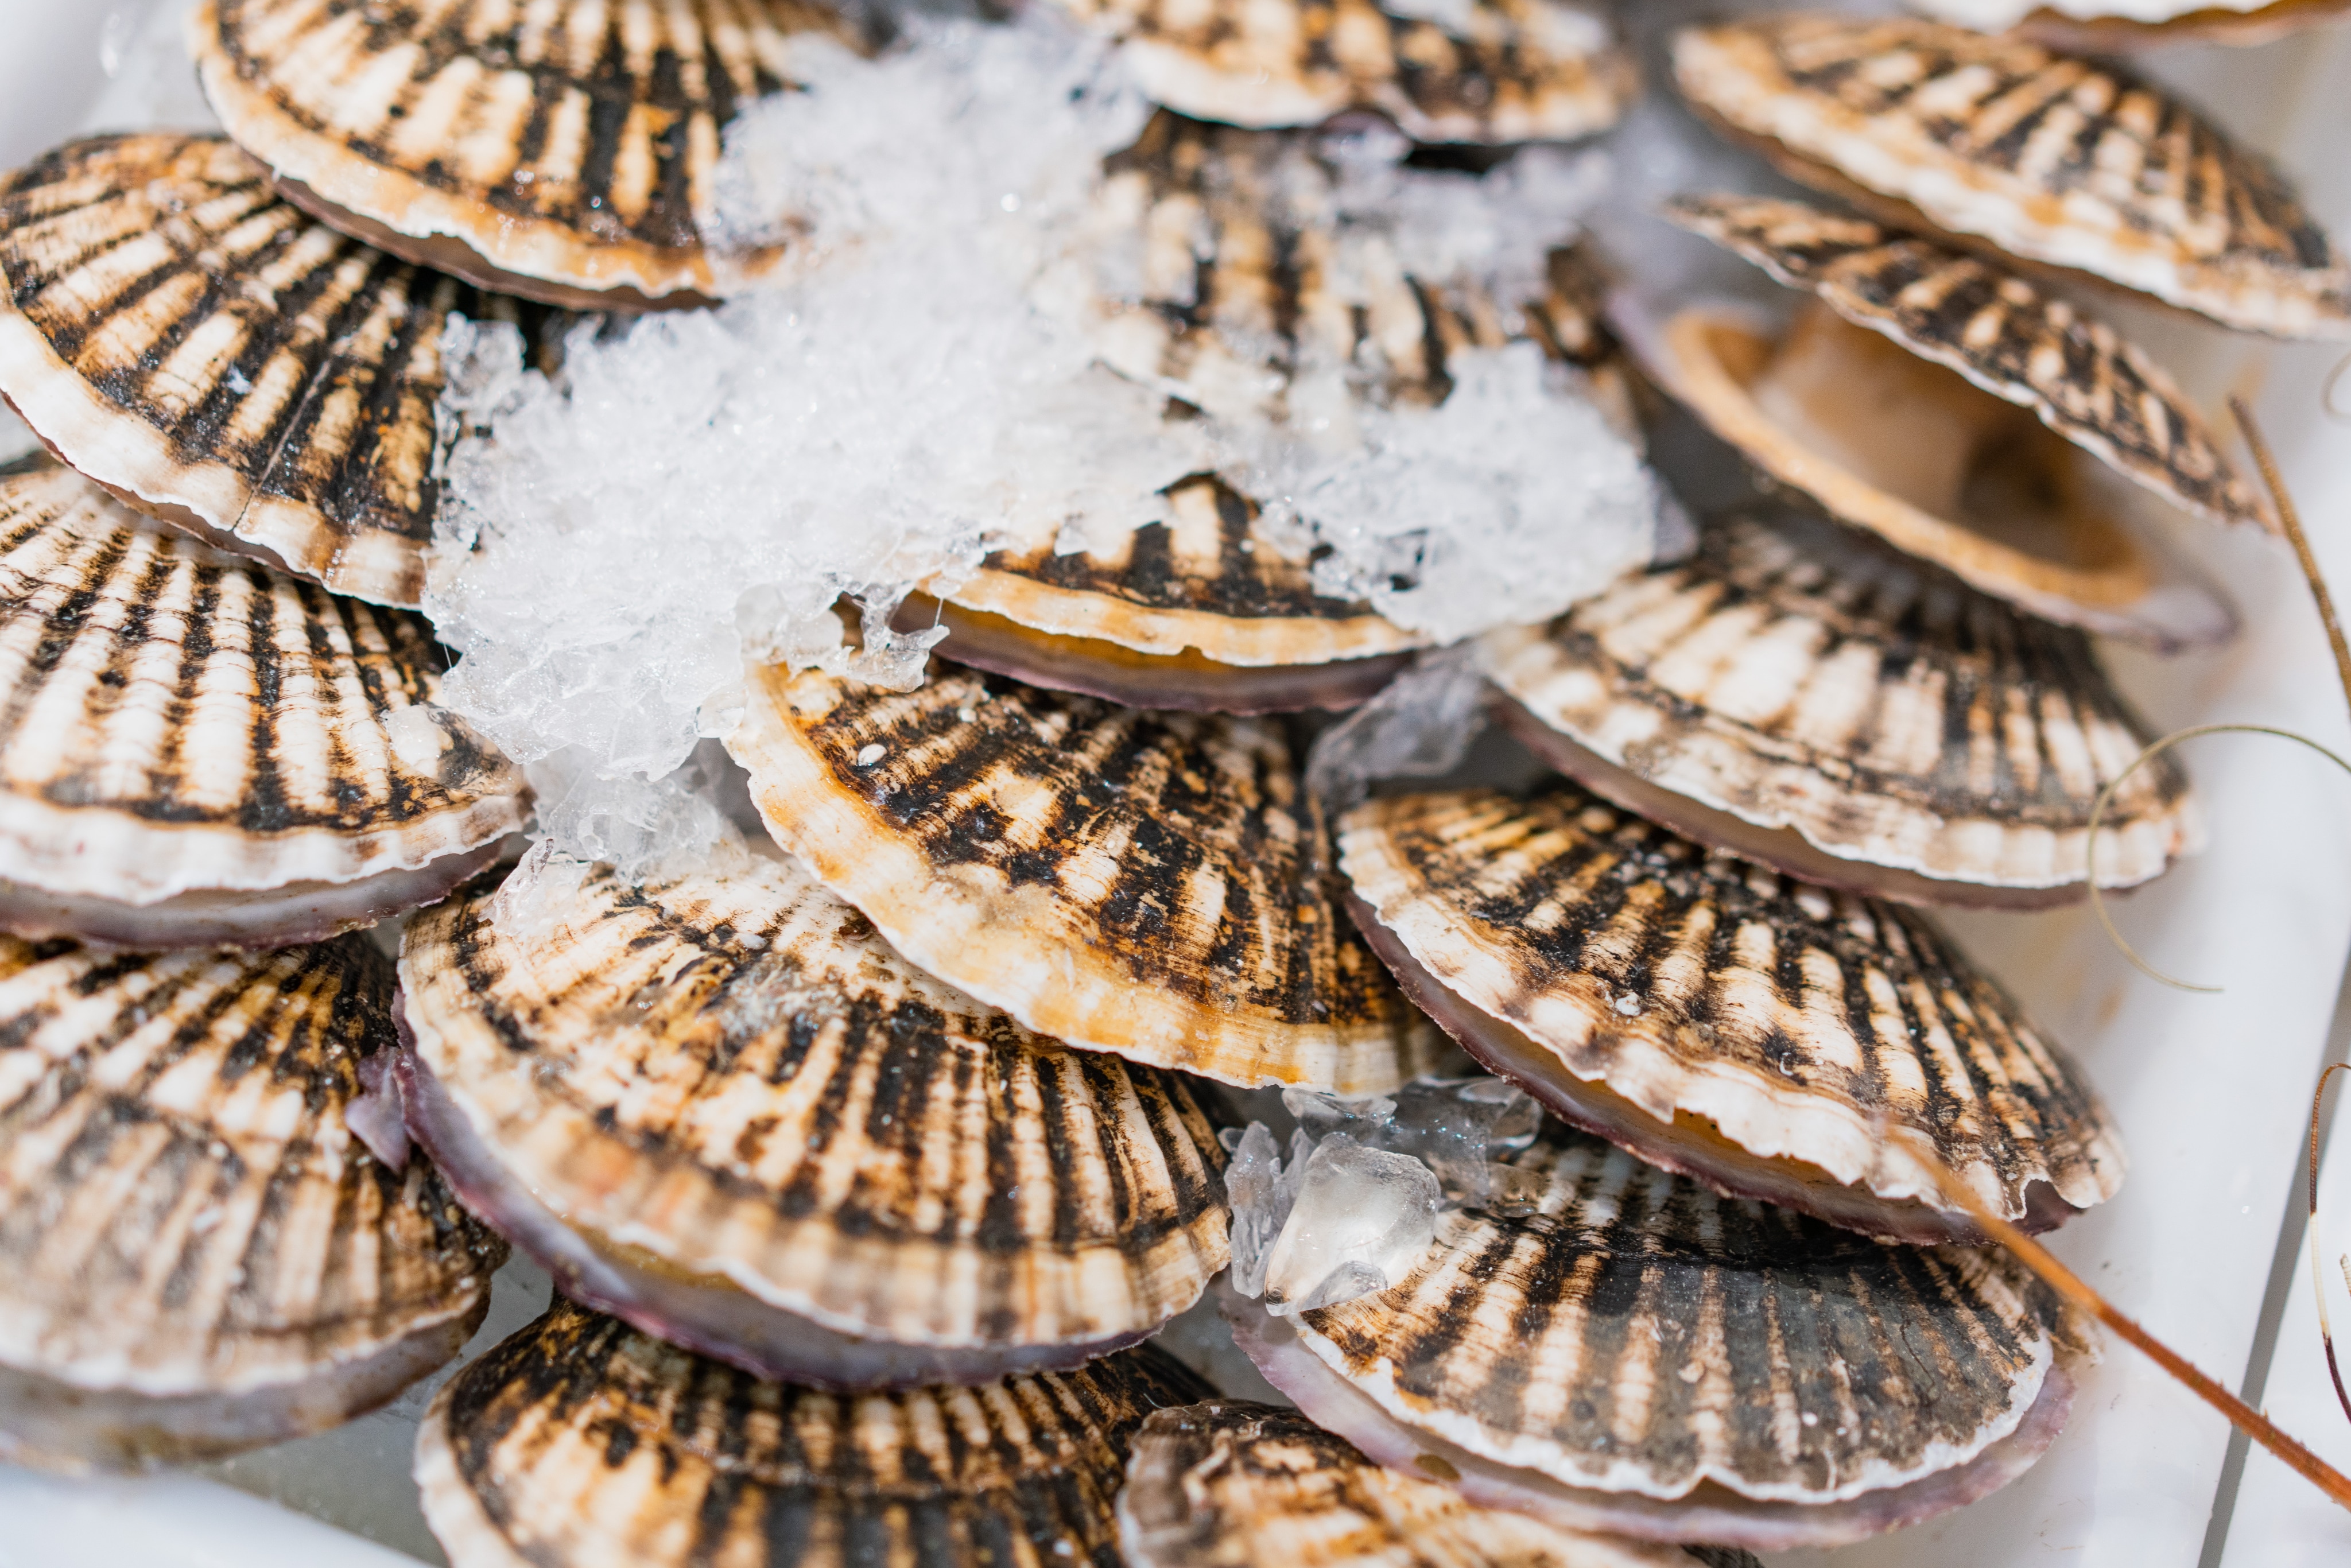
1356	1204
695	486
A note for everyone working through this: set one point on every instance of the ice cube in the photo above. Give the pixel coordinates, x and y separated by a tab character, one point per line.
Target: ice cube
1362	1219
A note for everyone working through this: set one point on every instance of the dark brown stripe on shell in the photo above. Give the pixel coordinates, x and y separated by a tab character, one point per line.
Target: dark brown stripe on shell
181	1203
2001	332
738	1063
1639	1331
544	1432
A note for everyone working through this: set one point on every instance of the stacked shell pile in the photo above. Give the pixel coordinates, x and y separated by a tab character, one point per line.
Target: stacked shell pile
1615	1225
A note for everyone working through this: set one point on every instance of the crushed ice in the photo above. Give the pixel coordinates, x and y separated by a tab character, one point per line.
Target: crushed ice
1356	1204
932	379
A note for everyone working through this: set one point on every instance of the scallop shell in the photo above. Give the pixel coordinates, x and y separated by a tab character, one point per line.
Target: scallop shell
563	155
2001	145
195	748
580	1443
1639	1356
1227	1484
218	359
1841	1045
1146	883
1813	699
196	1255
1486	72
2093	27
731	1072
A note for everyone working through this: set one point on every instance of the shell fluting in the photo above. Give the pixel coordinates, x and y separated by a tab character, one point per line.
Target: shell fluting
1146	883
175	719
1999	143
184	1211
215	356
579	1440
1795	674
730	1070
1840	1030
1638	1334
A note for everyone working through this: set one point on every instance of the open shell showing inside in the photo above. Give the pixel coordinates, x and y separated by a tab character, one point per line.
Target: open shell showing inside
199	749
1229	1484
1487	71
1640	1358
1147	884
1641	988
217	358
582	1443
1807	697
770	1135
570	163
1937	128
198	1255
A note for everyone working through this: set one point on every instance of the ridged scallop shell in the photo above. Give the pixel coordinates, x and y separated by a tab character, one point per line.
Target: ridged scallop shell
214	356
560	154
1721	1000
2003	334
196	1255
1811	698
1491	72
2000	144
580	1443
1146	883
2093	27
1229	1484
184	726
730	1072
1639	1352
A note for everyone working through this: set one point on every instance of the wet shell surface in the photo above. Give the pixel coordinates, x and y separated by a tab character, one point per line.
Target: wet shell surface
565	157
1229	1484
1486	72
1639	1356
198	1255
217	358
1142	883
582	1443
1818	1050
2000	144
195	748
1808	698
729	1077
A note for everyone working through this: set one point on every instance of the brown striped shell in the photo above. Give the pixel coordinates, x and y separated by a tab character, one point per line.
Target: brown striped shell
2095	27
2003	334
1637	1336
1811	698
1146	883
1487	71
196	1255
1719	1001
180	724
1229	1484
217	358
582	1443
2001	145
730	1072
560	154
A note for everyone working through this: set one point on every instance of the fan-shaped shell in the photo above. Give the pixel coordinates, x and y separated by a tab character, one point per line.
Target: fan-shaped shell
196	1256
1639	1355
563	155
2091	26
1147	884
731	1072
1490	70
2000	144
580	1443
195	748
1229	1484
218	359
1693	998
1813	699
